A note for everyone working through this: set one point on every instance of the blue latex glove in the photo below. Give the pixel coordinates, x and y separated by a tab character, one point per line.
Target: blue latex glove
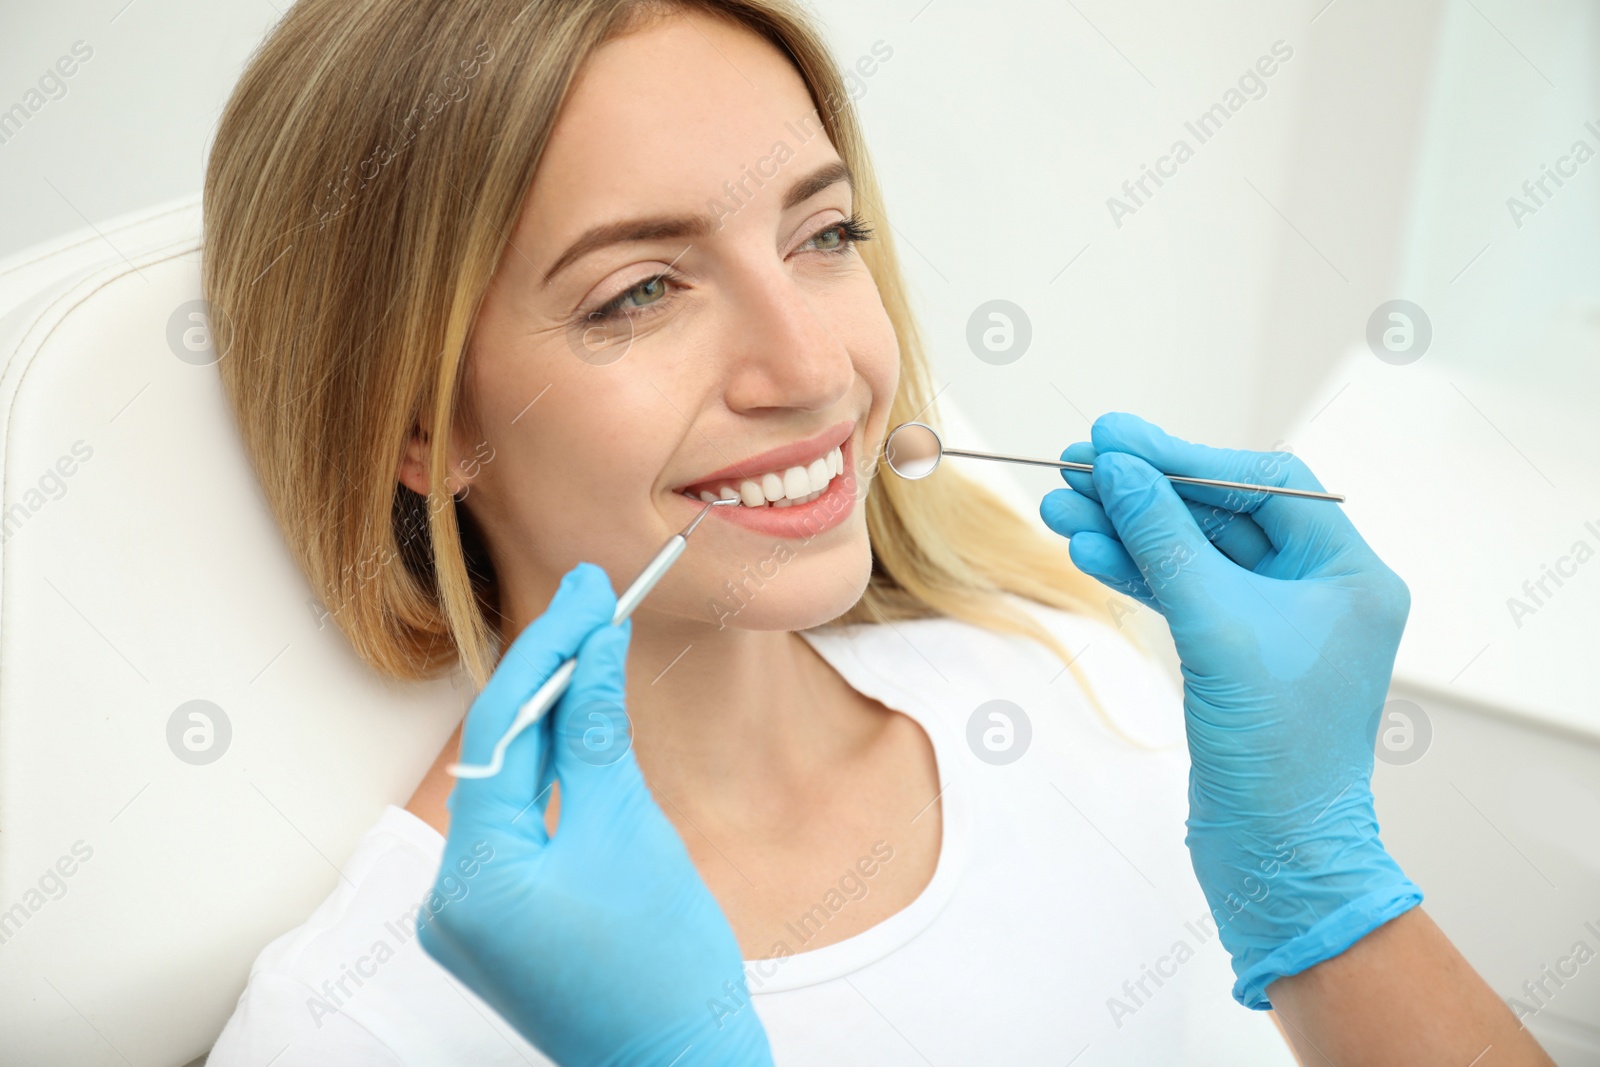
1286	624
601	944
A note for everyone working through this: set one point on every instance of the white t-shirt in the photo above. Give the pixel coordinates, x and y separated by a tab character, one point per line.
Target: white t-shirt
1062	925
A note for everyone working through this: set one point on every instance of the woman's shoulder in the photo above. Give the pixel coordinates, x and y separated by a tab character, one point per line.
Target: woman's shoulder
352	984
390	870
301	986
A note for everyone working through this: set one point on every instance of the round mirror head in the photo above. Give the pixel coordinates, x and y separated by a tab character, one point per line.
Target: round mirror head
912	450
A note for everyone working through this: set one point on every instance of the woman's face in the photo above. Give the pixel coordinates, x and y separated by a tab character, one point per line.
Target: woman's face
683	312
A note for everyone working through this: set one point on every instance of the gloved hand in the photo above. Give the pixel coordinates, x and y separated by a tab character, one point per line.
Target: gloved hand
1286	624
601	944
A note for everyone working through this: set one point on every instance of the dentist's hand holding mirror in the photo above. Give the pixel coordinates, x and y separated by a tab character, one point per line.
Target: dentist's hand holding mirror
1287	624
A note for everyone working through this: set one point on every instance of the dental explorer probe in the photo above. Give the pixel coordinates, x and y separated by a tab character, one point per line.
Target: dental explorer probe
548	693
913	450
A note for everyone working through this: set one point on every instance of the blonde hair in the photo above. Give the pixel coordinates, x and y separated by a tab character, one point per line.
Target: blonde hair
364	175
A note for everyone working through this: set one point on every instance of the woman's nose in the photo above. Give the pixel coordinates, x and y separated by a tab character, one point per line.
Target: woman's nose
784	348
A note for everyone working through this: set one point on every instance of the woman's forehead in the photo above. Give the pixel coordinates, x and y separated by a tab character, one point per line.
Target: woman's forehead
661	118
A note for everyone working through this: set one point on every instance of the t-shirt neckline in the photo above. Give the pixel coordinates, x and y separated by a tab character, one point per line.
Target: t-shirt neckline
839	647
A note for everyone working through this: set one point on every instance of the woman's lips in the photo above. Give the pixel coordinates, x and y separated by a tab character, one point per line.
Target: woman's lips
801	453
797	520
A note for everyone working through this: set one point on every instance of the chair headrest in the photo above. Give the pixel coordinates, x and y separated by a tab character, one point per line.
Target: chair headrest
146	854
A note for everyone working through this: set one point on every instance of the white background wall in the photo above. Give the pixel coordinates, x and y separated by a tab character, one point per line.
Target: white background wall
1230	308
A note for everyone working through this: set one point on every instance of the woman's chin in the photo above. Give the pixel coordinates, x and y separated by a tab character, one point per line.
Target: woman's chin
789	591
798	615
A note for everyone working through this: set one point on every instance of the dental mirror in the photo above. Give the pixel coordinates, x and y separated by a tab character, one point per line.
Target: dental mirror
913	450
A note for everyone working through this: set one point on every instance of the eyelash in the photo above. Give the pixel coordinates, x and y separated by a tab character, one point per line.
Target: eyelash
854	230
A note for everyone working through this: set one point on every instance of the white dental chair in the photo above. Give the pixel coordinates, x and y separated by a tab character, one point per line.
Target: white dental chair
141	570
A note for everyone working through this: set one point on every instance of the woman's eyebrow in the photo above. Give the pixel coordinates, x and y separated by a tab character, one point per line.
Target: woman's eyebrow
663	227
818	180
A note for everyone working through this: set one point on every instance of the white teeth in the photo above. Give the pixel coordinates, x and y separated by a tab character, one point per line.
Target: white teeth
819	475
783	489
796	483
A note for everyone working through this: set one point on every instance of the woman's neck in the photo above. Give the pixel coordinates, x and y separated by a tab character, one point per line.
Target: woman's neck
722	716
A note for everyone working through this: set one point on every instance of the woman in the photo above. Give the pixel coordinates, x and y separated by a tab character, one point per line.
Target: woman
509	286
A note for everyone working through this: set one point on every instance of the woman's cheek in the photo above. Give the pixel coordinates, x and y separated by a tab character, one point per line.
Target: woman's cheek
880	365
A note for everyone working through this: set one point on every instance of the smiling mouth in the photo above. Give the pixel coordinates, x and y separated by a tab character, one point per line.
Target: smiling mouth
778	488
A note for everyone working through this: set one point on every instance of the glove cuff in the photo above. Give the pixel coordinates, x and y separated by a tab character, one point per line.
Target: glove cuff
1328	938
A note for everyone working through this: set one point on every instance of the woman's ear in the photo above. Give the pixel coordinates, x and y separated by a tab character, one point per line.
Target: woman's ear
413	472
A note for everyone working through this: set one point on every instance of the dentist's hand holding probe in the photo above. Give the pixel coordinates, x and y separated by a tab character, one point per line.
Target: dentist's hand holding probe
1286	624
600	944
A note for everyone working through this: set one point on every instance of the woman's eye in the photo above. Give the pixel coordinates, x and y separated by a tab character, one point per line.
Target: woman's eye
841	237
632	300
830	239
642	295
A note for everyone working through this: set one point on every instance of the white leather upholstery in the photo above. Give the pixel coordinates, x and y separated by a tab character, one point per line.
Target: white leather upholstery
150	576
